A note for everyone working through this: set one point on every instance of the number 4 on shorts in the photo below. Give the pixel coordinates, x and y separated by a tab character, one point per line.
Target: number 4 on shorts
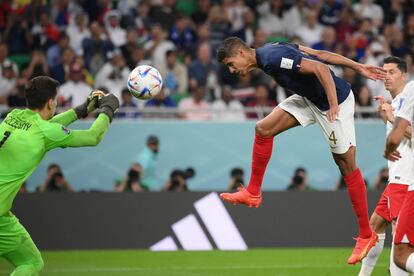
332	137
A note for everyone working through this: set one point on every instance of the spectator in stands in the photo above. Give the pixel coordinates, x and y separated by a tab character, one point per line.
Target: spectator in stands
127	102
74	92
38	65
162	100
409	30
17	97
368	9
143	21
128	48
148	159
78	31
95	48
381	180
246	31
235	10
55	181
259	38
330	12
195	108
200	68
7	80
61	70
45	33
374	55
17	34
227	108
116	34
114	73
177	181
165	14
203	36
311	32
174	74
346	25
328	41
132	181
296	16
157	46
200	16
362	37
182	35
299	181
54	53
236	179
261	102
364	99
219	26
272	19
4	52
397	45
352	78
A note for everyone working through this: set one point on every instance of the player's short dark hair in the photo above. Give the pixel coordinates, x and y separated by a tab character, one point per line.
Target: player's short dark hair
39	90
228	46
401	64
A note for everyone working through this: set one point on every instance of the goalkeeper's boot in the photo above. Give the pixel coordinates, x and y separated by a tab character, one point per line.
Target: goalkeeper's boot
242	196
362	247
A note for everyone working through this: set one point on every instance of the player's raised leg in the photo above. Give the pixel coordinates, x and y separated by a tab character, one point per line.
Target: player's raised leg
276	122
358	195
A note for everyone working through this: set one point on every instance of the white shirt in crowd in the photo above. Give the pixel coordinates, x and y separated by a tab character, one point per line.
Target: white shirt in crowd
114	84
232	112
77	92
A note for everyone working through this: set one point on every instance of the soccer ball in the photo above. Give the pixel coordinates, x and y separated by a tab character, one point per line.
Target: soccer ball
144	82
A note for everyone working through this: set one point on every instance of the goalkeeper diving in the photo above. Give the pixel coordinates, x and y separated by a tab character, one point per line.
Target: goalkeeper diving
25	137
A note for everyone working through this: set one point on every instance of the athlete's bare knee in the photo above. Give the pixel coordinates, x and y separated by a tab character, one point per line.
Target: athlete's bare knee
261	130
400	255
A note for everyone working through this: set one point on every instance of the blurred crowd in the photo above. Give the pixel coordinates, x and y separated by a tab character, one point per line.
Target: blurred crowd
88	44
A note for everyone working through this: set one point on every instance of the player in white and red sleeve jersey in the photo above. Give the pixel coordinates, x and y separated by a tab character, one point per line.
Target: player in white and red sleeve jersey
400	171
404	234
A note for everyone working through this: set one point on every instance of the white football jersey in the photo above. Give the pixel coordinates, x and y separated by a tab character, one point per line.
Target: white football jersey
405	110
401	171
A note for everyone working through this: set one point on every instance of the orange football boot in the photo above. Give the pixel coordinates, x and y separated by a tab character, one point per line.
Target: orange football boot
362	247
242	196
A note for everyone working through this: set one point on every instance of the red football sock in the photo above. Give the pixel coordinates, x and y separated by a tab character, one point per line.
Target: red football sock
358	194
262	150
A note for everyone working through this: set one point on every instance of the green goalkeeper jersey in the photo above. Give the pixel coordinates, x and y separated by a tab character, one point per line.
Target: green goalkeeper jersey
25	138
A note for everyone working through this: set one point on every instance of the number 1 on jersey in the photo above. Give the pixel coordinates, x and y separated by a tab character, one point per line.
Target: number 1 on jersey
332	137
6	135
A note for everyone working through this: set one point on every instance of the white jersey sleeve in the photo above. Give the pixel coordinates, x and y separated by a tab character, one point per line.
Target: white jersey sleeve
406	108
400	171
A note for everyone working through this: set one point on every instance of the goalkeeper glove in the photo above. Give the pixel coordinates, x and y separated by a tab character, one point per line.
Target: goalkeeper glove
90	104
109	104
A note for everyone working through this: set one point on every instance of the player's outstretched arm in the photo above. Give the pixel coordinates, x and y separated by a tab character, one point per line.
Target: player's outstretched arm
81	111
322	72
368	71
394	139
108	105
57	135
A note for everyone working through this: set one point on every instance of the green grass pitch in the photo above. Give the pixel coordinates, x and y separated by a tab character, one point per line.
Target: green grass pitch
255	262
